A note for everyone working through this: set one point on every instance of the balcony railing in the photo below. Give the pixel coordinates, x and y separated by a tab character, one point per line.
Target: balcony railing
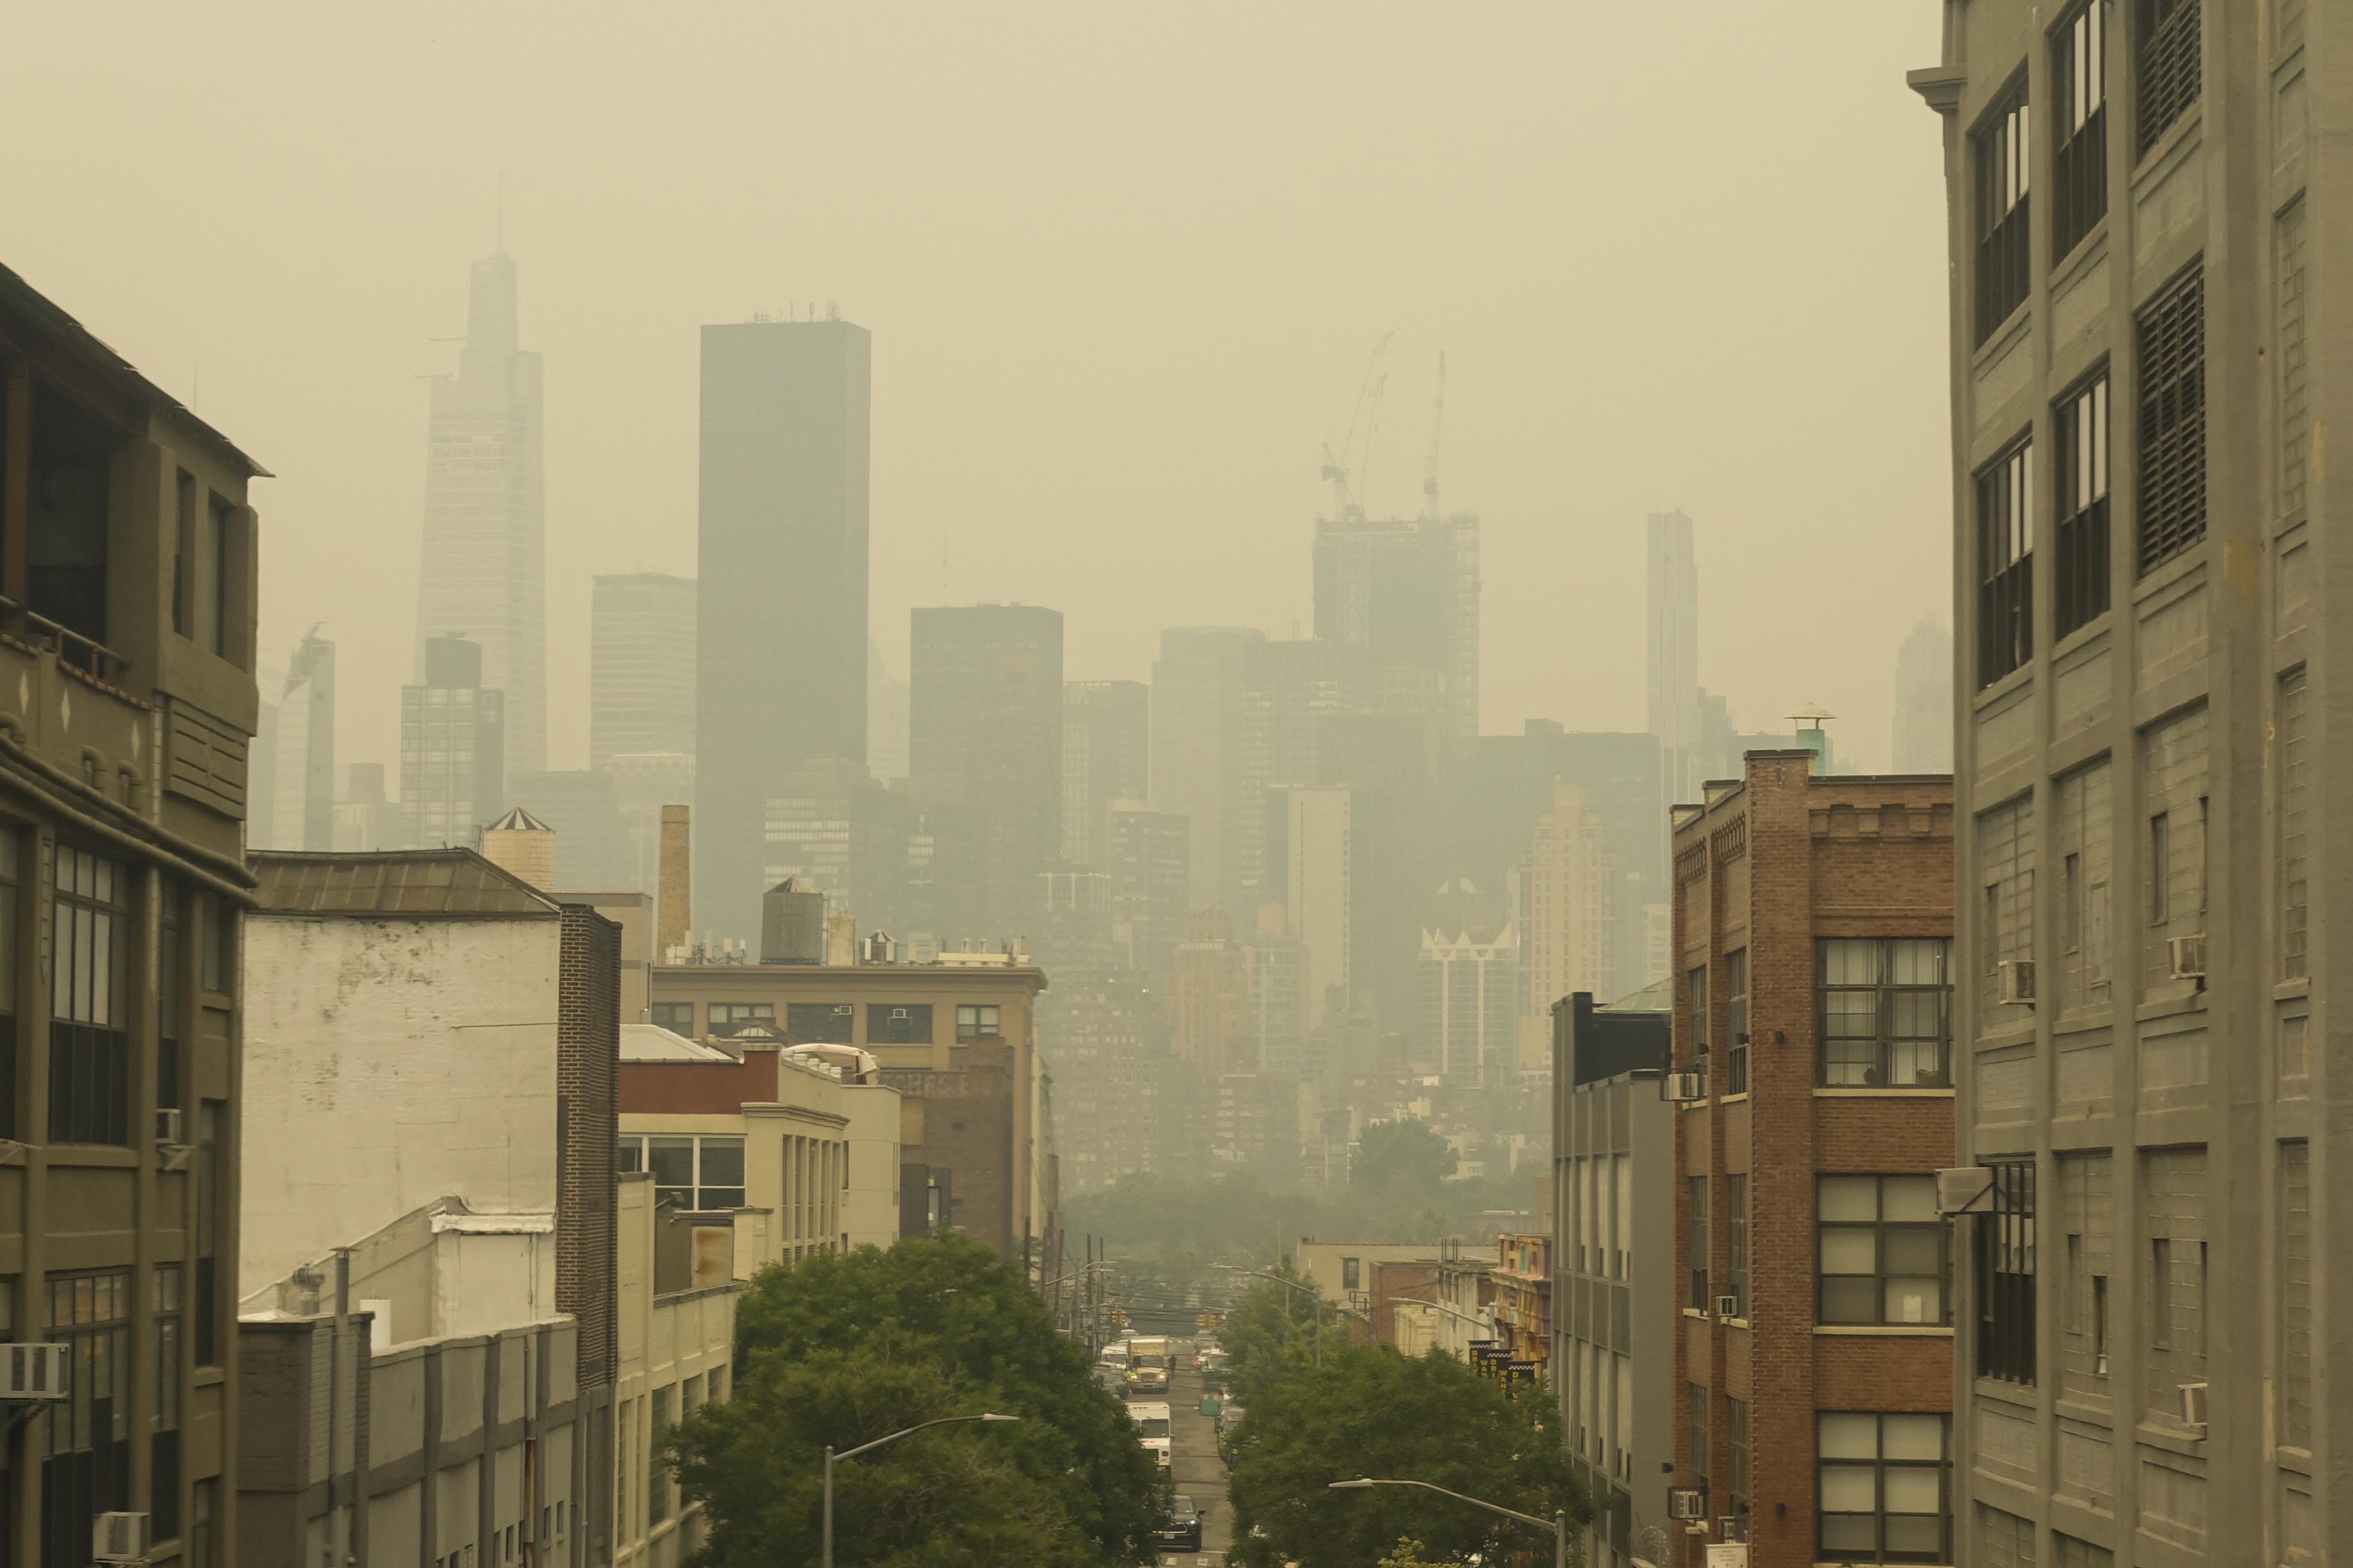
73	650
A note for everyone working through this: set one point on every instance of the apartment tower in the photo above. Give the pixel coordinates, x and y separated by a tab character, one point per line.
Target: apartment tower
1197	751
485	564
452	748
781	659
1672	665
2140	304
1407	592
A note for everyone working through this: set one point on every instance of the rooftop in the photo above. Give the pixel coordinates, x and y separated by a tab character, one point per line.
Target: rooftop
392	882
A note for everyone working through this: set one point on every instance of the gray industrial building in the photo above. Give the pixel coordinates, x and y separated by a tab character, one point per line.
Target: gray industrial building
2139	320
781	675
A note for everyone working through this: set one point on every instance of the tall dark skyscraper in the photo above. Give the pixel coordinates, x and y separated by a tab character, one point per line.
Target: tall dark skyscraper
485	560
1407	591
640	665
782	651
452	748
1106	756
1672	665
986	726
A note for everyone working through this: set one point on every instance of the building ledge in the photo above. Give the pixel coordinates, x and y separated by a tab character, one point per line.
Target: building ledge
1883	1094
1888	1330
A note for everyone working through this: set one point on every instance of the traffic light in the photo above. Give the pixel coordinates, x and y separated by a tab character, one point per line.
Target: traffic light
1119	1317
1206	1321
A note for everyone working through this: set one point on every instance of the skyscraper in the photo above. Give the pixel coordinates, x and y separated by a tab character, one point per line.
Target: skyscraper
301	779
986	726
485	569
1407	592
1106	756
1290	688
1196	750
1674	661
1924	701
452	748
781	659
1574	900
641	628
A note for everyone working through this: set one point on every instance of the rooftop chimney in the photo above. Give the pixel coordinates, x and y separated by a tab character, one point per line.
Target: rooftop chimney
841	938
674	904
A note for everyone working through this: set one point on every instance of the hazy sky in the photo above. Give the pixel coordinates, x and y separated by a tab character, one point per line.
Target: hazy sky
1124	266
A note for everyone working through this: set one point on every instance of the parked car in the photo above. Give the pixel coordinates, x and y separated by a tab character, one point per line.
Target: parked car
1181	1530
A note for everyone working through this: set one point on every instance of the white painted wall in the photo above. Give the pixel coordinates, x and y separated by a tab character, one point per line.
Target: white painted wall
389	1063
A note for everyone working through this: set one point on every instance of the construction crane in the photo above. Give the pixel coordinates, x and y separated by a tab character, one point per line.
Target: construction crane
1336	467
1429	464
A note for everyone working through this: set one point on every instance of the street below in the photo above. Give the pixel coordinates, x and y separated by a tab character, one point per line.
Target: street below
1199	1473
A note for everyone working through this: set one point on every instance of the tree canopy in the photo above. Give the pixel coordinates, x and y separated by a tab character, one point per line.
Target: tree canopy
844	1348
1400	1153
1373	1412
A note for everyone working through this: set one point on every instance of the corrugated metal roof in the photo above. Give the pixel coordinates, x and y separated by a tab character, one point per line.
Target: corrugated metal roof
395	882
652	1043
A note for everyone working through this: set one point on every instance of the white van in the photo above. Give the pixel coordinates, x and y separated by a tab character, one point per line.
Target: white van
1152	1427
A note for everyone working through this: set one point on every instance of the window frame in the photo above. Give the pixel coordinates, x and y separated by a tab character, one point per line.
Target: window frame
1882	1229
1736	1022
2169	412
981	1013
633	1152
1880	1464
2001	153
1699	1238
2079	120
2082	474
1735	1241
2004	488
2167	37
2006	1270
1886	1043
90	1036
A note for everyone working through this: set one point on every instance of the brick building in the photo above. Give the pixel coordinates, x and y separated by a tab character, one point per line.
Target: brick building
1812	1384
957	1038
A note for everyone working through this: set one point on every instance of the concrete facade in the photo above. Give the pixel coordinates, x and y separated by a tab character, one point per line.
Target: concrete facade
1813	924
129	558
2144	694
820	1153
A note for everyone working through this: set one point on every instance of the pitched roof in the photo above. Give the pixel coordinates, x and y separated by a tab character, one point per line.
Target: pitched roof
392	882
518	820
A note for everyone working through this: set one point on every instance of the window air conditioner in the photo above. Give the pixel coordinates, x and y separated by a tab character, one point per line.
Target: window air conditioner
167	1124
1683	1087
2017	978
2194	1404
35	1373
1732	1527
2186	956
120	1538
1686	1503
1727	1306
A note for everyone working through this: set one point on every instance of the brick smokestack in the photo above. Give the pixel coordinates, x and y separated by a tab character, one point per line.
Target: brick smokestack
674	905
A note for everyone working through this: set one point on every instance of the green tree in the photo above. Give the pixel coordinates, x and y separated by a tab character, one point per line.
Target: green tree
1401	1153
1372	1412
1269	1334
844	1348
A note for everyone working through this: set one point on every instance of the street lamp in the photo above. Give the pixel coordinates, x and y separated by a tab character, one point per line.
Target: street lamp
831	1457
1288	1285
1557	1523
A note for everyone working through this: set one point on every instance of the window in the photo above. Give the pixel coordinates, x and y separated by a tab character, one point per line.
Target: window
820	1023
220	556
974	1023
1696	988
183	552
2169	335
732	1017
88	1467
888	1025
2004	1540
656	1469
2295	360
2069	1552
10	847
200	1544
2167	66
676	1016
2295	824
2174	1265
2173	785
209	1199
2084	830
1882	1250
2082	588
1736	1243
1884	1488
2006	1276
1699	1301
1735	1023
164	1445
1735	1443
2002	167
2005	564
1698	1392
2088	1225
90	1046
170	1006
2296	1294
1886	1009
2079	168
1350	1271
703	1171
66	533
216	943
